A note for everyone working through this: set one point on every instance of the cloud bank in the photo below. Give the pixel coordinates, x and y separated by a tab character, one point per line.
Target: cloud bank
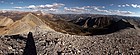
92	9
61	8
47	6
130	5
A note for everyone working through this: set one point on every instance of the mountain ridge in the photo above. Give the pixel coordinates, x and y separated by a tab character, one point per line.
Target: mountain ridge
26	24
84	25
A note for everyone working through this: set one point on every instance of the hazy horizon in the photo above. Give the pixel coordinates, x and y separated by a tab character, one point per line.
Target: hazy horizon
110	7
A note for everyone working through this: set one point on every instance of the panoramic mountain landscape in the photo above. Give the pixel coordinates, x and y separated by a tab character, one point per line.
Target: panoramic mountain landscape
55	34
69	27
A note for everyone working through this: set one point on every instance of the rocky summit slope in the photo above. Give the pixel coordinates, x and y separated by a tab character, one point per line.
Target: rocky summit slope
125	42
46	36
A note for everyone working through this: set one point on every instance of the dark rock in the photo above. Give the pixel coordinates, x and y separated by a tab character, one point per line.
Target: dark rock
16	37
132	49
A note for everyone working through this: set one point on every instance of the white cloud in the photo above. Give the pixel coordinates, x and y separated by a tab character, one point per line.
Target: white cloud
92	9
103	11
119	12
127	5
72	9
18	7
119	6
53	10
135	5
130	5
47	6
56	7
83	9
123	5
31	7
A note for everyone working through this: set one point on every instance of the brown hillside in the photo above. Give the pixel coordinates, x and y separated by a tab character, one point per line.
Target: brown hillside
26	24
6	21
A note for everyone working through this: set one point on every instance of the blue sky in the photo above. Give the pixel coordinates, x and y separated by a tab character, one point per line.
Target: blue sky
109	7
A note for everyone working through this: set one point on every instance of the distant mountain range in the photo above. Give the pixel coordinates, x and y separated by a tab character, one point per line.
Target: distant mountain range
76	24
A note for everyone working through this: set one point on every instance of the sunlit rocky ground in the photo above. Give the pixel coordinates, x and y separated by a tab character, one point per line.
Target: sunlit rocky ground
124	42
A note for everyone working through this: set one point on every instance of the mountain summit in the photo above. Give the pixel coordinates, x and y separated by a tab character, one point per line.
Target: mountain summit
28	23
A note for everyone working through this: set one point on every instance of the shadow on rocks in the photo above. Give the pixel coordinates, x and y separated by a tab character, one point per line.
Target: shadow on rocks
30	48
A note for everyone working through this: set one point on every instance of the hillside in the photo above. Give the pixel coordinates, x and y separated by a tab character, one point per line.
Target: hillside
6	21
28	23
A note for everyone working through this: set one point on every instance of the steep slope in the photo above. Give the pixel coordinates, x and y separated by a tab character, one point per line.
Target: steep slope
26	24
67	28
32	20
63	26
6	21
103	25
98	22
